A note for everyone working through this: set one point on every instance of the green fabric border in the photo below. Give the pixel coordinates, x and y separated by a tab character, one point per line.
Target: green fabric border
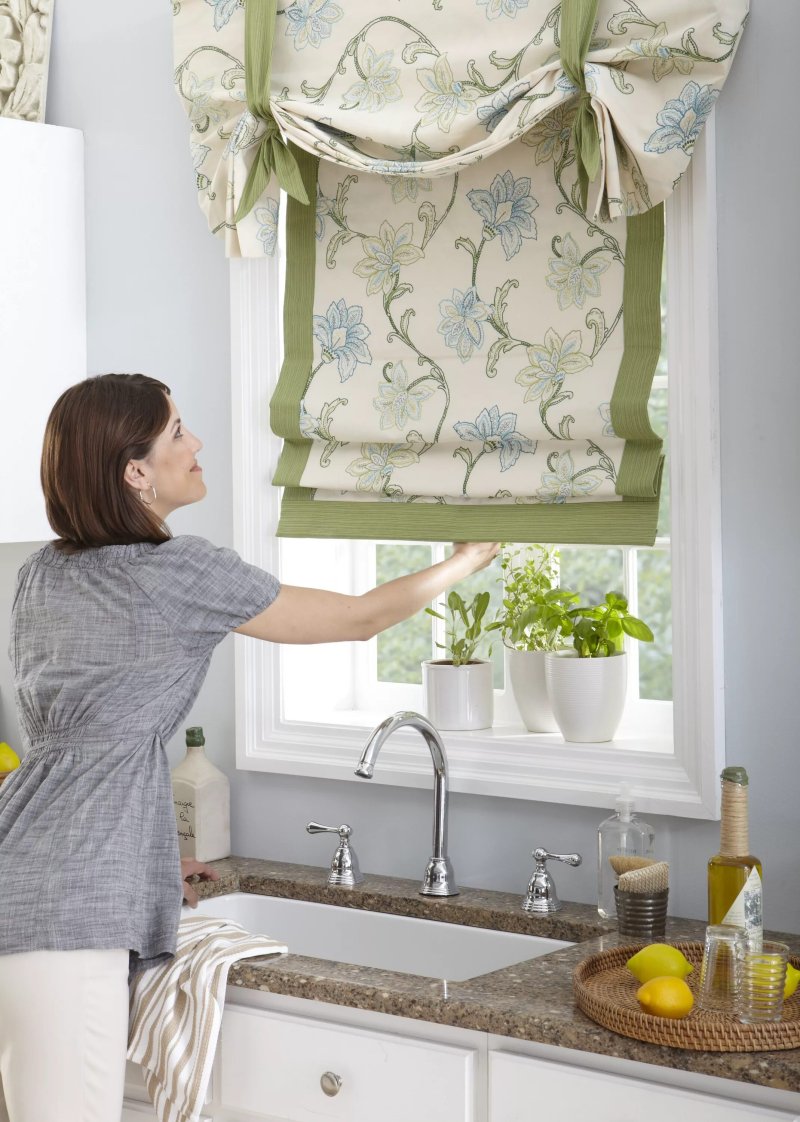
298	311
642	463
626	522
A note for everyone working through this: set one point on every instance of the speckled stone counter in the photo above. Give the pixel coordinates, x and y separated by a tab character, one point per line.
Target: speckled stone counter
531	1001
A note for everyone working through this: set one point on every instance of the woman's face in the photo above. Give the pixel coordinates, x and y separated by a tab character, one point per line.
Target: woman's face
171	467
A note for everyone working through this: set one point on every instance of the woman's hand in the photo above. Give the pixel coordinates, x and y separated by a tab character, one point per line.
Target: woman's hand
189	867
477	554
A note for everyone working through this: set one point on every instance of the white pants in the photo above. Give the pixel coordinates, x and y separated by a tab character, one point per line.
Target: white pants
63	1035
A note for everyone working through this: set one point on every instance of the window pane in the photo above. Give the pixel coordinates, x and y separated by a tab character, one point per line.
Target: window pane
655	608
591	572
402	648
657	407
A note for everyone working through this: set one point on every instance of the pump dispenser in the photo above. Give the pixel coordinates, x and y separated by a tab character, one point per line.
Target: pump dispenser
624	834
202	797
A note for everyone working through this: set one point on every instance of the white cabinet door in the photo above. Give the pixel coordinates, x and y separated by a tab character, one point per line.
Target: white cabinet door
276	1066
42	305
522	1089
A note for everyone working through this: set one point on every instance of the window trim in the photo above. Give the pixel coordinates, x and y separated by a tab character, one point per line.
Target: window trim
505	761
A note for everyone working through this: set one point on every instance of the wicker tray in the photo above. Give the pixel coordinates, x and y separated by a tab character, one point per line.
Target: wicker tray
606	991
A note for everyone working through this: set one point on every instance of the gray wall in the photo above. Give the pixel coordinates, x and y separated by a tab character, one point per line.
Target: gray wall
157	299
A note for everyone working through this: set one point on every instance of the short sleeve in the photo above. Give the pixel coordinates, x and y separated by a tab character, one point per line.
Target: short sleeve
202	591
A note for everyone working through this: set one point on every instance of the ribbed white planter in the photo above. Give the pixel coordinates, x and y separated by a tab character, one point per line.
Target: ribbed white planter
526	673
587	694
458	698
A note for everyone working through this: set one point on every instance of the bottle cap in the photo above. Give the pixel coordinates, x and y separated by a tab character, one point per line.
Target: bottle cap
194	737
735	775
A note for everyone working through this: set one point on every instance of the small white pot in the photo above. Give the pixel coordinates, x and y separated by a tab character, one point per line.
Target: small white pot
587	694
457	698
526	672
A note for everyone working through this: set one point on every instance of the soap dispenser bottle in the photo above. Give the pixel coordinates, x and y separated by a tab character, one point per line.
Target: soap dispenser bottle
624	834
202	797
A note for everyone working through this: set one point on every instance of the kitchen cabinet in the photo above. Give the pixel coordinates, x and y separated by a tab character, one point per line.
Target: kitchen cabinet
273	1065
42	305
522	1087
277	1056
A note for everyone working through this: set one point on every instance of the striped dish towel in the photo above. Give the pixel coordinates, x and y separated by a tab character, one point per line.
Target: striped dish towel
176	1012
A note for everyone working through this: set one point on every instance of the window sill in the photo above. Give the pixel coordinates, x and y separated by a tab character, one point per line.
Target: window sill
505	760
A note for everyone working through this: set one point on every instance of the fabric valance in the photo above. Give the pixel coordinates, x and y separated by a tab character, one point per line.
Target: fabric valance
472	315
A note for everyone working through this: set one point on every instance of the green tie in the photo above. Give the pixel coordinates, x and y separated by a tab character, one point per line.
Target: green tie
577	23
272	154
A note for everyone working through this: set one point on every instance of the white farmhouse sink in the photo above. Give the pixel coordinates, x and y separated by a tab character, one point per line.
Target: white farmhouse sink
376	939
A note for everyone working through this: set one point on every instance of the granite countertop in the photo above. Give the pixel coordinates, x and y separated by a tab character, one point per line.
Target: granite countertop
531	1001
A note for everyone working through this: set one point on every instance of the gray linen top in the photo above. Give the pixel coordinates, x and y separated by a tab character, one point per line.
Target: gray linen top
110	647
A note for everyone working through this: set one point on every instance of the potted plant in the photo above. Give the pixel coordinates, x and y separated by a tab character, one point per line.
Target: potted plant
532	620
587	684
458	690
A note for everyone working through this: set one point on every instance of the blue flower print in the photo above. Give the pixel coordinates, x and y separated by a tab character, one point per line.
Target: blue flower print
575	279
379	84
445	97
323	209
374	468
550	362
566	85
494	430
223	10
341	336
384	256
506	210
309	426
398	402
406	187
310	21
464	316
565	483
492	115
495	8
267	218
204	111
682	119
605	415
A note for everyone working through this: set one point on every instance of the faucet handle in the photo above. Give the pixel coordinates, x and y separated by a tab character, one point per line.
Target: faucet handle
541	897
345	871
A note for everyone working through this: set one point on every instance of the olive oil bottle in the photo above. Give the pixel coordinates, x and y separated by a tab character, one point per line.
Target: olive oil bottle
734	874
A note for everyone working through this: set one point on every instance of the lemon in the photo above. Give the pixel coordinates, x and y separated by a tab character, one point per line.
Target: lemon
657	960
665	997
792	978
8	758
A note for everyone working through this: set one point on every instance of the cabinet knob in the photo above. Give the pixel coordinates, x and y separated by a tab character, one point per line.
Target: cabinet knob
331	1083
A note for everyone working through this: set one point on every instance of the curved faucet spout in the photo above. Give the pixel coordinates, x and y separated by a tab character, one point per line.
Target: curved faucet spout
439	878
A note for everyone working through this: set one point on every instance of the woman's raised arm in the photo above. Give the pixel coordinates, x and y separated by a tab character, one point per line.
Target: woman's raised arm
313	615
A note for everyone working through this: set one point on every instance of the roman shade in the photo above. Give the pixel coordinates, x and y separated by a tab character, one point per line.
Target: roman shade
474	241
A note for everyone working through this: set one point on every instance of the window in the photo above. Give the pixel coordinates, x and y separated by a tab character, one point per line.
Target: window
670	745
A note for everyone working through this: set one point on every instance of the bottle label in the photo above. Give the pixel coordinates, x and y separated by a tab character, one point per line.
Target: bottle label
746	911
185	814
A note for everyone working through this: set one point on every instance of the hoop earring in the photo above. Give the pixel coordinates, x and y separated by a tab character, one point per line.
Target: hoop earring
151	501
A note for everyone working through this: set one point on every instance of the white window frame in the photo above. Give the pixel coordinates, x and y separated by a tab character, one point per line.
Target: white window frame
673	770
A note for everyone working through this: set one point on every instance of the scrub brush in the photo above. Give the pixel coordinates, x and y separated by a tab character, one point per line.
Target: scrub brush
650	879
625	864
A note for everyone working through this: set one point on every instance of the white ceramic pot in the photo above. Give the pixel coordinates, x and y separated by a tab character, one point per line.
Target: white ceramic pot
457	698
526	673
587	694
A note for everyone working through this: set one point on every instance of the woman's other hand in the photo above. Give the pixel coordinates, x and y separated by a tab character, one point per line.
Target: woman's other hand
190	867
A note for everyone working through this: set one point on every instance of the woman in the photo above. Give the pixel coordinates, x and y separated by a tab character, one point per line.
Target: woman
113	626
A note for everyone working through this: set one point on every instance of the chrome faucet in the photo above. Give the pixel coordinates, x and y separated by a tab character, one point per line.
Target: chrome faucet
439	879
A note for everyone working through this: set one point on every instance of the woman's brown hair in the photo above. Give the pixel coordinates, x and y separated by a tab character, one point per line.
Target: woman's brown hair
92	432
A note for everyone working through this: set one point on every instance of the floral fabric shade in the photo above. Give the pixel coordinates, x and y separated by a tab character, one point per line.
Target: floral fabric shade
474	246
